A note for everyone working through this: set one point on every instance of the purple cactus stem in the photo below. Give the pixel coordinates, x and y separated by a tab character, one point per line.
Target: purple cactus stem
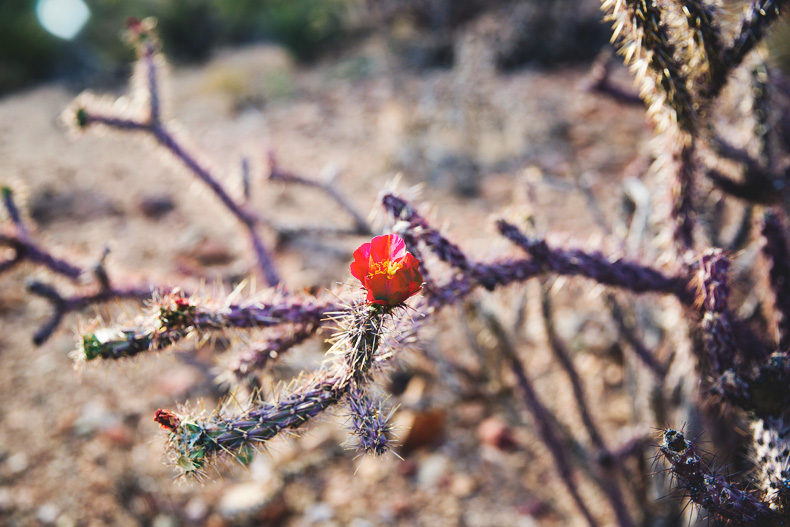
26	249
13	211
720	342
278	174
63	305
369	422
443	248
196	441
758	18
177	317
683	192
620	273
257	357
775	252
723	500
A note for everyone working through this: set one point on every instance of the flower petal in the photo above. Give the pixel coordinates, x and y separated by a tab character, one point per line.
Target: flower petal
361	264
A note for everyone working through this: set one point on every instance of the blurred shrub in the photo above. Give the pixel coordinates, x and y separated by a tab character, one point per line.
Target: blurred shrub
190	29
27	51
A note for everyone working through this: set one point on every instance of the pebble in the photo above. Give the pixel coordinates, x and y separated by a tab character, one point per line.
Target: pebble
94	416
17	463
81	205
196	510
318	513
422	427
496	433
245	499
48	513
431	470
462	485
156	206
6	500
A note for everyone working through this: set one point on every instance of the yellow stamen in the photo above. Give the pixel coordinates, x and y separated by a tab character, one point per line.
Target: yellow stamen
387	267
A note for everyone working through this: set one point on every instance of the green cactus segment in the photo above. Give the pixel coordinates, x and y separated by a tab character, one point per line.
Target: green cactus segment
81	116
114	345
6	192
194	442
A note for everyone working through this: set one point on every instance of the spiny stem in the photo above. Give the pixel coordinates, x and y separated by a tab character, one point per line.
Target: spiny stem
196	441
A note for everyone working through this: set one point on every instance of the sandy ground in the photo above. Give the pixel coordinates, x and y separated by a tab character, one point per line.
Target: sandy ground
81	448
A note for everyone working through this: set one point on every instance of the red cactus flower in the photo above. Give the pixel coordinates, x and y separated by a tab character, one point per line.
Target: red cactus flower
387	270
166	419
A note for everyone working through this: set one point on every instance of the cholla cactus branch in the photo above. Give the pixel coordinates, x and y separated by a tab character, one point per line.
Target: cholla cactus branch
25	249
495	274
276	173
683	192
257	357
63	305
13	211
563	357
633	341
150	60
757	188
195	441
776	254
723	500
729	151
758	17
166	139
644	38
721	345
370	423
761	110
701	16
447	251
176	317
620	273
599	81
548	432
772	456
765	392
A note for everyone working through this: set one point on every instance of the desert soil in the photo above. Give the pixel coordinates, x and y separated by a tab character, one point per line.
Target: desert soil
80	448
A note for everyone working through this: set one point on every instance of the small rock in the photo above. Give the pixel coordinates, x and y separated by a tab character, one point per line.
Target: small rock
195	510
80	205
423	428
48	513
6	500
118	434
318	513
164	520
209	252
533	507
431	470
494	432
156	206
17	463
254	498
462	485
177	382
94	416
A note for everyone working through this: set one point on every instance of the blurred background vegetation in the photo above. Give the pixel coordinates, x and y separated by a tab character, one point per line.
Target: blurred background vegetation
423	33
190	30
